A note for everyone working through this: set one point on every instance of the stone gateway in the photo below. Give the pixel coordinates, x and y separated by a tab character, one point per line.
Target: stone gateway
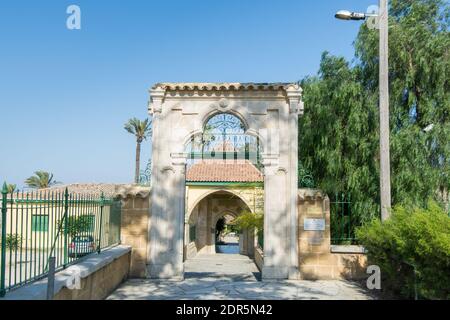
268	113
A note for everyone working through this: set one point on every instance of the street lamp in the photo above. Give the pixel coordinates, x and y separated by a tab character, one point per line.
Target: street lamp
385	171
347	15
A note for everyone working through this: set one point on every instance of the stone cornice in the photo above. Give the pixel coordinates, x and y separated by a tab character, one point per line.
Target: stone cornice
132	190
311	194
162	91
226	86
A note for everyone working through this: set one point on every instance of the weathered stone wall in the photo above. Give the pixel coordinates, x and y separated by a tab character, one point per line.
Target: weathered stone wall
135	225
316	257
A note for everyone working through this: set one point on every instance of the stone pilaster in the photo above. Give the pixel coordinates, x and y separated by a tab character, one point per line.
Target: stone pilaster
167	228
294	95
276	254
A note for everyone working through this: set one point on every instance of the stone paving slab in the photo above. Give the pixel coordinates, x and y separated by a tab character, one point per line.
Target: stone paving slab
195	289
233	277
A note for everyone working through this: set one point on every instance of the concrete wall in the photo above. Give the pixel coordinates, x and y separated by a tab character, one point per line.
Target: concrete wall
317	260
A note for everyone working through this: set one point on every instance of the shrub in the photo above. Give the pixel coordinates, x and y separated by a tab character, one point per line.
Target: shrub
13	241
249	221
413	238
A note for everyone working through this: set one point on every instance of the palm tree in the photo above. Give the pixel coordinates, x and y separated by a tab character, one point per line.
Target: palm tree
11	187
142	130
41	180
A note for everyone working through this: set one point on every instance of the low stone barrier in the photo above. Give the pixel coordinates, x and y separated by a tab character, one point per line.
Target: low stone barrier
259	258
99	276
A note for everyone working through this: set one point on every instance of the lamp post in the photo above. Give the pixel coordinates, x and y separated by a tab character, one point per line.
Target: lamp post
385	171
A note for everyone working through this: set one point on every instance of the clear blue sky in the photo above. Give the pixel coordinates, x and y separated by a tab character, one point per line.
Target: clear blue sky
65	95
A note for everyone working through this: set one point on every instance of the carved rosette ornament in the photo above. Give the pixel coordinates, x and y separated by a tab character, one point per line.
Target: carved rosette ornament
223	105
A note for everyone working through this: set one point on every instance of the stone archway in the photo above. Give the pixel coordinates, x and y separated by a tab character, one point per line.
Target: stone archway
271	112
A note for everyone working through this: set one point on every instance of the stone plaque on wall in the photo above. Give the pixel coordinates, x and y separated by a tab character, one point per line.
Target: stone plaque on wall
314	224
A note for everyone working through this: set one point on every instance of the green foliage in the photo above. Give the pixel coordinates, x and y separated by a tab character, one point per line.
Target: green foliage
342	152
41	180
11	188
411	237
76	225
13	241
249	221
141	129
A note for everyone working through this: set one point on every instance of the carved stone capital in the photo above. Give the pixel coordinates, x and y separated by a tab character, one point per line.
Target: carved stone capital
294	95
271	163
179	159
156	99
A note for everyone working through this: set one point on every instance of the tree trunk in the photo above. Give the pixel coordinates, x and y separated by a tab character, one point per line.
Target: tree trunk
138	162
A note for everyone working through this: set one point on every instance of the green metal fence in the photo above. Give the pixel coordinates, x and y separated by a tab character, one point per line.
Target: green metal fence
342	223
260	235
42	224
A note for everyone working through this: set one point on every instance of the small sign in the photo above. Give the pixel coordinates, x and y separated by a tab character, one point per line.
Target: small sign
314	224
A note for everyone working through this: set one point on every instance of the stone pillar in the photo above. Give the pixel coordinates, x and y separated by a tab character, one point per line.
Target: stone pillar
276	252
314	237
296	107
134	225
167	227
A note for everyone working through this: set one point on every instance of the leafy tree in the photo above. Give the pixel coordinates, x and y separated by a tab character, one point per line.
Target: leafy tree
249	221
76	225
141	130
343	151
41	180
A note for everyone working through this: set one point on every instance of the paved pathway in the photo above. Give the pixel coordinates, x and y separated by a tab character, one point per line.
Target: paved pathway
225	277
232	267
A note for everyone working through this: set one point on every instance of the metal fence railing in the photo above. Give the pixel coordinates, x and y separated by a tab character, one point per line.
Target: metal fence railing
42	224
343	223
260	235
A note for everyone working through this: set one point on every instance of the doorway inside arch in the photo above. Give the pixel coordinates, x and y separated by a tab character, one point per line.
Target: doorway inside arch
211	230
214	247
227	235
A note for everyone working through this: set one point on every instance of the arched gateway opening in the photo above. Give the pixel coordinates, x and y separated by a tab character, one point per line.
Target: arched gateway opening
202	235
209	250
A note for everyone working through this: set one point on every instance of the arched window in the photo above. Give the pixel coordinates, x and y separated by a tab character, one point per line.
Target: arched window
224	123
224	137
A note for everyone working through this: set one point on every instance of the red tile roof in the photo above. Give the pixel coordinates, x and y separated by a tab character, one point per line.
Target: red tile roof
224	171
